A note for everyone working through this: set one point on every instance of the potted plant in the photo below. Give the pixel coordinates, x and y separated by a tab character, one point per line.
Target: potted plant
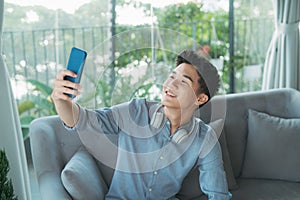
6	186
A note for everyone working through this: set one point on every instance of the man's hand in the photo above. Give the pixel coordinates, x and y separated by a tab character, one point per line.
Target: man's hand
63	87
66	109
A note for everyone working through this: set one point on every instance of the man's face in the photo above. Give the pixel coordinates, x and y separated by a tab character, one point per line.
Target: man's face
179	90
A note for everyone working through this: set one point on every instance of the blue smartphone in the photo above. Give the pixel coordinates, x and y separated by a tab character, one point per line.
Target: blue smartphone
75	64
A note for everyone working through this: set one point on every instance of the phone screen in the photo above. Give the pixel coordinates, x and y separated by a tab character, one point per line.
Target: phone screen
76	63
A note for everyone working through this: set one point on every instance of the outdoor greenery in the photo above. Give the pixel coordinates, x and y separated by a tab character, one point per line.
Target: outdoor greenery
39	18
37	41
177	16
6	186
38	103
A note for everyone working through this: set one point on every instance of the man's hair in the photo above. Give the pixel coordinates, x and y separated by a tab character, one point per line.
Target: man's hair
209	80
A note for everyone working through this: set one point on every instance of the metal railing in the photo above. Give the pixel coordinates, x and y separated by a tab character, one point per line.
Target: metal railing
40	54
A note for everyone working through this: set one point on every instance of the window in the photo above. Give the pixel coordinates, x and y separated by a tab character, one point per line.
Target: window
131	50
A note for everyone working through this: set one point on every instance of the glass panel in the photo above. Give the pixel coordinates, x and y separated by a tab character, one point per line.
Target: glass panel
254	26
37	39
146	37
131	54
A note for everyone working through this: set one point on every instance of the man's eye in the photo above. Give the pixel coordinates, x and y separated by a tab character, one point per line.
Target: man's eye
171	76
185	82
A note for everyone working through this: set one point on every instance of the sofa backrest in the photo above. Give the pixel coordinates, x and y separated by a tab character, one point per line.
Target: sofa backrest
278	102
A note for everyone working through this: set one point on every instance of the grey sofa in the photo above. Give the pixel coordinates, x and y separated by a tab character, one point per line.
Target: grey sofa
261	151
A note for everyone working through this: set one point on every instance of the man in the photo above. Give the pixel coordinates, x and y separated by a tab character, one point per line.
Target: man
158	143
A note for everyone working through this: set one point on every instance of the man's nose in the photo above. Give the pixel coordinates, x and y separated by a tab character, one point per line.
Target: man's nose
174	82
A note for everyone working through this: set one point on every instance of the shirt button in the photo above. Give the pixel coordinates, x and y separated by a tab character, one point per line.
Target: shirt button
155	172
161	157
150	189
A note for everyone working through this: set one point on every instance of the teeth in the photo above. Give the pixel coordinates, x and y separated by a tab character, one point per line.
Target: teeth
169	93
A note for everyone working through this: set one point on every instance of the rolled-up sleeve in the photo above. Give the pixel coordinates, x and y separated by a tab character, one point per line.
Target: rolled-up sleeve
212	177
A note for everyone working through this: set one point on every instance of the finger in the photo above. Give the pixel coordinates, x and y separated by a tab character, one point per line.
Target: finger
72	85
57	95
66	83
63	73
67	90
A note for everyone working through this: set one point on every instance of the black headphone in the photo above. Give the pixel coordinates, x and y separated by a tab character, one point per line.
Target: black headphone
157	120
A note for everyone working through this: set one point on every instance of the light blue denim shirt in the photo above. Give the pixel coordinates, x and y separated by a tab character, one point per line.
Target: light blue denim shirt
148	163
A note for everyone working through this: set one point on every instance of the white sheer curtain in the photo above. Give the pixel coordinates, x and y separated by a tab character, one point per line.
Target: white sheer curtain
282	65
10	133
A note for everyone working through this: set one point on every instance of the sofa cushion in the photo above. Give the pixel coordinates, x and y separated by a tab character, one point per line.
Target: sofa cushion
232	184
272	149
81	177
218	127
190	187
266	189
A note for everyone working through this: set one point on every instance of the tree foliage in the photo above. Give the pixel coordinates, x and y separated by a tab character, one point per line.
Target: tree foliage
210	31
38	17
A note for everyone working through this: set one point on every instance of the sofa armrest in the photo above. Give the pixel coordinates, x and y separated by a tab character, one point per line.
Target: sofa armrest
52	147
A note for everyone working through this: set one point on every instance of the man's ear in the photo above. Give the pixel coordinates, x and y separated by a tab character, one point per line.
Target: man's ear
201	99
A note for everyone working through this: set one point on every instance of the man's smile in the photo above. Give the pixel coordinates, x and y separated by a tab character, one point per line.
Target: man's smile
169	92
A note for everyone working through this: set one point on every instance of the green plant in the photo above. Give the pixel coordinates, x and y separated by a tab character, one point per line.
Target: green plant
147	91
37	104
218	48
6	186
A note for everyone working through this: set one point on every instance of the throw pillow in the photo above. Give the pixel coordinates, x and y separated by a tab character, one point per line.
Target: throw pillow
272	150
82	178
